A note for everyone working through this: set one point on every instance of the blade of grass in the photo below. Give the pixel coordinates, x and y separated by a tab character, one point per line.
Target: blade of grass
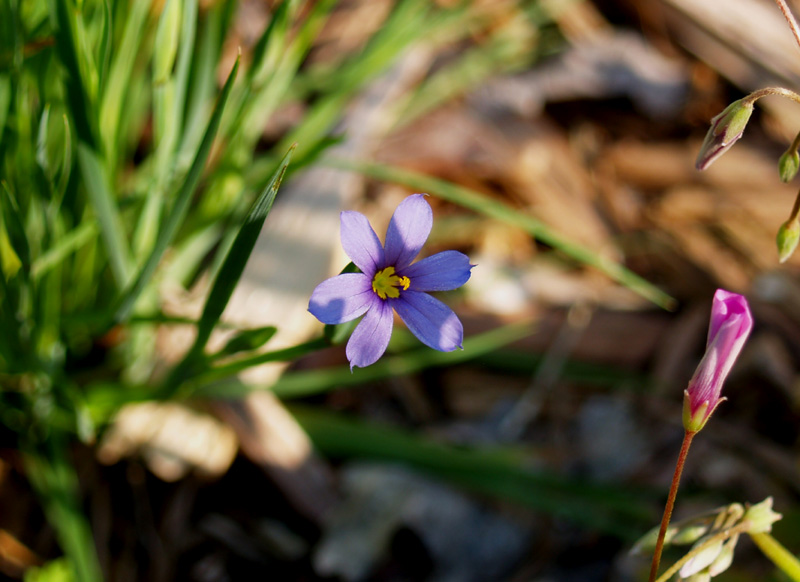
306	383
499	472
230	272
12	220
178	211
104	52
68	52
5	104
56	483
119	76
65	246
105	207
405	25
235	261
482	204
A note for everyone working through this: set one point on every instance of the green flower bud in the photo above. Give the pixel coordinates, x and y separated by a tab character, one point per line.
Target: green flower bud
788	164
703	576
787	239
689	534
726	129
647	543
725	558
703	559
761	517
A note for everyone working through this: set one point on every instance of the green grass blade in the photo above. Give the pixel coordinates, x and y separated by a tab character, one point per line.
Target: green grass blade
307	383
228	276
105	207
77	92
166	42
169	102
178	211
5	103
12	220
56	483
104	52
119	76
237	257
247	340
65	246
498	472
405	25
482	204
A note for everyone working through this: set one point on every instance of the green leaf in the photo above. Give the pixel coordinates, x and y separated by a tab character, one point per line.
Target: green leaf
105	207
247	340
5	101
63	247
178	211
78	88
166	43
235	261
57	570
228	276
502	473
12	220
309	382
120	73
55	481
104	52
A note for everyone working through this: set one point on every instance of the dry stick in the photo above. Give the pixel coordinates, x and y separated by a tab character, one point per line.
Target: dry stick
673	492
787	14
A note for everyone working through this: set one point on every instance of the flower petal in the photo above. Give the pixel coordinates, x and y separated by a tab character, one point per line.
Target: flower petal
440	272
371	336
342	298
361	243
408	230
731	323
433	322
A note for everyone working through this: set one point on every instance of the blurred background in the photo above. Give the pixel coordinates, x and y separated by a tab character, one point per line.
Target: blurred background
557	141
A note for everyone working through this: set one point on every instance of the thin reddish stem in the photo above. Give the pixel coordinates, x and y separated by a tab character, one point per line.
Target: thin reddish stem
787	14
673	492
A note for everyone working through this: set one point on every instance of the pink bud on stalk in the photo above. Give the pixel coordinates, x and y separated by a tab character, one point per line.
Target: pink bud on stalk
730	325
726	129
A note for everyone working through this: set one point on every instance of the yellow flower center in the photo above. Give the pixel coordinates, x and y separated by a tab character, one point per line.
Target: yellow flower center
386	283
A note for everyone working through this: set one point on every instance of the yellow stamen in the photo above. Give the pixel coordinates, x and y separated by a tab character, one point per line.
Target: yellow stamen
386	283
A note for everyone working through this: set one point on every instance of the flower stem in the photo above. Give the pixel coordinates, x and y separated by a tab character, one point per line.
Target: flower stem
767	91
795	208
673	491
779	555
787	14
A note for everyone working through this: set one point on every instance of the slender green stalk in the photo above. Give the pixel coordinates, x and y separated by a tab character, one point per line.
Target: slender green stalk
283	355
779	555
53	477
673	492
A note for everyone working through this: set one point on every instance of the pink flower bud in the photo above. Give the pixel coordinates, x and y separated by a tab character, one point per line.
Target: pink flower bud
730	325
726	129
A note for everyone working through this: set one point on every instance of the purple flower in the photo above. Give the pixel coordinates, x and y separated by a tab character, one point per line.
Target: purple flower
388	281
730	325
